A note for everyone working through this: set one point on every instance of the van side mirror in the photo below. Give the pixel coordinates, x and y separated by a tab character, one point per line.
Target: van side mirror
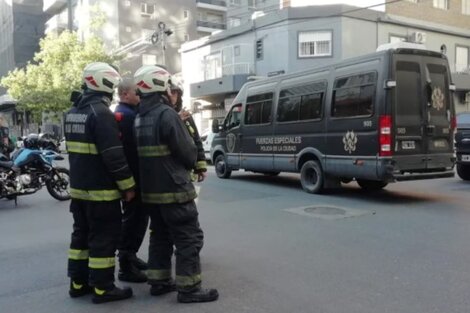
215	126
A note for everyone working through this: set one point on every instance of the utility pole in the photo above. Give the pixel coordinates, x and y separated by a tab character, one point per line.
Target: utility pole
163	33
70	15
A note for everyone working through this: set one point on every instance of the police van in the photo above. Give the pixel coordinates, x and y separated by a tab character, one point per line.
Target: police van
380	118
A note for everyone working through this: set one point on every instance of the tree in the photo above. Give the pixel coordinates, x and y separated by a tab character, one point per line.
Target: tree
45	84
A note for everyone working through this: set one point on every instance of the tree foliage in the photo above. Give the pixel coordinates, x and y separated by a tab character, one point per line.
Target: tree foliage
46	83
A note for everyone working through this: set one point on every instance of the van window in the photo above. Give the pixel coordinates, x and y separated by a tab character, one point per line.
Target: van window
408	90
233	118
258	109
301	102
354	95
439	82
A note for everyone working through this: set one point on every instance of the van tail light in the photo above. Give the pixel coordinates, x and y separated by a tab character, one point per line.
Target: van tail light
453	123
385	135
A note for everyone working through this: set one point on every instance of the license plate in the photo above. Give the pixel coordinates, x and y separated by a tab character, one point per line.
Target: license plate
466	158
408	145
440	144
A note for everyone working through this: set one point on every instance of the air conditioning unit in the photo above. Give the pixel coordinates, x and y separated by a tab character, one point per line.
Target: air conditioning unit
418	37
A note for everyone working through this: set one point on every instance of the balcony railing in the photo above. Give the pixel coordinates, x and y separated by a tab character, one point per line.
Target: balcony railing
213	2
213	25
237	69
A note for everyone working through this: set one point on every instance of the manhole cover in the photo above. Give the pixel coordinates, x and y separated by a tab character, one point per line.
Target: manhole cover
325	210
328	212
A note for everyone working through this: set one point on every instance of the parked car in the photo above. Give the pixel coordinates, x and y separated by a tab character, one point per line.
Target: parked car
462	145
206	137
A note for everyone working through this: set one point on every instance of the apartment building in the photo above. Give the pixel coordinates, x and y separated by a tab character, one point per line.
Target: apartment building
295	38
144	32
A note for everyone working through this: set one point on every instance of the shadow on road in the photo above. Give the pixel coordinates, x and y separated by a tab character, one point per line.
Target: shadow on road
351	190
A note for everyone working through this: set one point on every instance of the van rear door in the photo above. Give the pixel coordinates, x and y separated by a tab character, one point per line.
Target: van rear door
421	112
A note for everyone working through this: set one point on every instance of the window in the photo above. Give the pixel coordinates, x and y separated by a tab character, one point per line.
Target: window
252	4
149	59
236	50
301	103
441	4
315	44
259	49
147	9
395	38
466	7
461	58
354	95
233	22
258	109
235	2
233	118
185	14
128	29
213	66
127	3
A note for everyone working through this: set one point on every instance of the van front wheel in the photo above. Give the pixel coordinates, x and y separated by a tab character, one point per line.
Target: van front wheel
221	167
312	177
371	185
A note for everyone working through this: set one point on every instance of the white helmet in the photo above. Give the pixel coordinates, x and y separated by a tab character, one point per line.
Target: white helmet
177	84
101	76
152	78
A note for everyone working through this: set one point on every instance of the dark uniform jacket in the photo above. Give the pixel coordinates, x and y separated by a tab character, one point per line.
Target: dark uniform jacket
125	115
98	167
201	165
166	151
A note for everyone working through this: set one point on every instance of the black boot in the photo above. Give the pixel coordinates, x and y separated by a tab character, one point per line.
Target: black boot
128	272
162	288
79	289
112	293
198	295
140	264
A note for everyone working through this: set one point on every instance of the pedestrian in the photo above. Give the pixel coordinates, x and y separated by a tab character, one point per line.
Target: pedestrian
176	99
99	177
135	218
166	156
6	144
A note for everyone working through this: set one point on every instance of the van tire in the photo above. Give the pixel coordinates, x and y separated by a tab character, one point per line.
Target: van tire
221	168
463	171
371	185
312	177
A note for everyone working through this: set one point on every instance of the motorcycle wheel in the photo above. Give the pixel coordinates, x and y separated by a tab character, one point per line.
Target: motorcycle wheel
58	184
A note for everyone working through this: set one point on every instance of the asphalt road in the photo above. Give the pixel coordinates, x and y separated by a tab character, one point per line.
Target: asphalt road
270	247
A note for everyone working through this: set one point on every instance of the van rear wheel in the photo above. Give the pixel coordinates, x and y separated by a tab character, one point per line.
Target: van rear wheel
463	170
312	177
371	185
221	167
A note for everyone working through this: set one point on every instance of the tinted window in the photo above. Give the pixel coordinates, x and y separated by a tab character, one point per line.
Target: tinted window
301	102
354	96
463	118
407	93
258	109
233	118
439	88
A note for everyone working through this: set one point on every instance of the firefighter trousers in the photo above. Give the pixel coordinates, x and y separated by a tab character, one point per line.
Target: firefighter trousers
95	236
175	225
135	221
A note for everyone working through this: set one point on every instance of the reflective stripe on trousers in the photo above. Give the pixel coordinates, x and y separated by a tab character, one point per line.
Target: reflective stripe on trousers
170	197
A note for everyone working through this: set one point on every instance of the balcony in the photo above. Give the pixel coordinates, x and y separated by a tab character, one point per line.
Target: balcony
54	6
209	27
216	5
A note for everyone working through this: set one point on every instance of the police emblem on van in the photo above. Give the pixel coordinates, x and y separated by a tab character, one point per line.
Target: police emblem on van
350	141
231	141
437	99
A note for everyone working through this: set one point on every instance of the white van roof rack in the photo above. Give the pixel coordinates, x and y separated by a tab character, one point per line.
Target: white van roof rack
401	45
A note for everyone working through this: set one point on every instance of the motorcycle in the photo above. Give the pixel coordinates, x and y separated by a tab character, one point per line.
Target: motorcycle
30	170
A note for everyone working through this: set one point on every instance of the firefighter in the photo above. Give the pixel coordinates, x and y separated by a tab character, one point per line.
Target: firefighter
99	177
166	156
135	218
176	99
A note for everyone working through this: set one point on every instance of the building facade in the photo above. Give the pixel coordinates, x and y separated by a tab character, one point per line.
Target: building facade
143	32
296	38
